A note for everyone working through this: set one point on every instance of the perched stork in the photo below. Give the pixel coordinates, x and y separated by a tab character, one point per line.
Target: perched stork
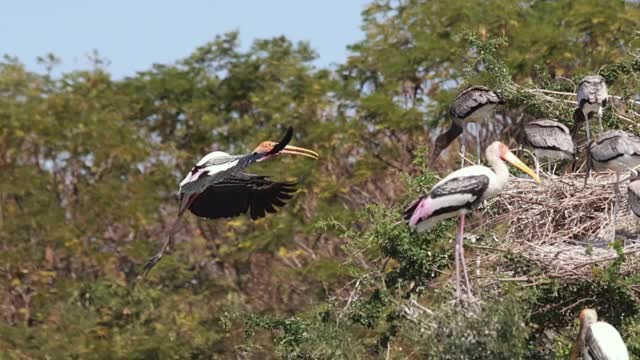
615	150
474	104
217	187
598	340
459	193
549	140
592	97
633	194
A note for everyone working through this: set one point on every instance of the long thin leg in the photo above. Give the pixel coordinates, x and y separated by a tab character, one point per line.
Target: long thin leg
457	260
463	148
464	264
537	162
588	131
600	118
186	202
478	145
616	201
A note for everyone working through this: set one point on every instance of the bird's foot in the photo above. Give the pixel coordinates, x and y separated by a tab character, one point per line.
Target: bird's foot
152	262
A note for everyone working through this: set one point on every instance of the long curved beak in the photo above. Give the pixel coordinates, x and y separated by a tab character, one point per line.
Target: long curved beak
294	150
513	160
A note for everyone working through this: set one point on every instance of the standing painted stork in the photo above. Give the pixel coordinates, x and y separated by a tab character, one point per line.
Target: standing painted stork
459	193
474	104
549	140
216	187
598	340
615	150
592	97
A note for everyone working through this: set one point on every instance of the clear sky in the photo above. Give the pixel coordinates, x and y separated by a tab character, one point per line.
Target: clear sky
134	34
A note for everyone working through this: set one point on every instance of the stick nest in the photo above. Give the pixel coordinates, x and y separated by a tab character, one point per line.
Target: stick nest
563	225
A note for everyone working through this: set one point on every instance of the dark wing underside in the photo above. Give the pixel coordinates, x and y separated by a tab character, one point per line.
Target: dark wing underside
247	194
614	143
472	99
549	135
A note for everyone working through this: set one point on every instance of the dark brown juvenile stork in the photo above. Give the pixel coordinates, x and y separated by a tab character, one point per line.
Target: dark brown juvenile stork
459	193
474	104
592	97
216	187
549	140
615	150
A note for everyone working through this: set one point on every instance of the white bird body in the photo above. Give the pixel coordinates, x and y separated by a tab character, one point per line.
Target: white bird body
213	163
492	182
598	340
607	339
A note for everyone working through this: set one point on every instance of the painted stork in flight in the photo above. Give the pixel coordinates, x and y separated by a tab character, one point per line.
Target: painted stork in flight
549	140
592	97
459	193
216	187
615	150
598	340
474	104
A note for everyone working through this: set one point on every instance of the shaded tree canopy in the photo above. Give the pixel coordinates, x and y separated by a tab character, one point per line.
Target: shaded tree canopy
89	167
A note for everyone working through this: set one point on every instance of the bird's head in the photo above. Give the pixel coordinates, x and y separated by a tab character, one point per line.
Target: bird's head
502	151
588	316
272	148
269	149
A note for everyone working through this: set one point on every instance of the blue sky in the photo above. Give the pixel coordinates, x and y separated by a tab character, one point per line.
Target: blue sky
135	34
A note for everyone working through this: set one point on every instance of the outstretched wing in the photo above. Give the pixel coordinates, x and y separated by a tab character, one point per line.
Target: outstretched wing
472	99
242	194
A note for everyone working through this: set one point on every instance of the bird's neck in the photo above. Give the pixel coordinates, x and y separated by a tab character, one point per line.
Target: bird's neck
501	170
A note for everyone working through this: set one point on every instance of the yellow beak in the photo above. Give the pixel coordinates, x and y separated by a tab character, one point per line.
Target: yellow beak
513	160
294	150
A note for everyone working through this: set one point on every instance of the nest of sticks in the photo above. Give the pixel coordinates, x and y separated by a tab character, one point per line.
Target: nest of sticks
564	225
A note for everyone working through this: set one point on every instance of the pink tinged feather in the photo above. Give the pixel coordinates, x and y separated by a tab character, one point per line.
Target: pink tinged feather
191	176
422	211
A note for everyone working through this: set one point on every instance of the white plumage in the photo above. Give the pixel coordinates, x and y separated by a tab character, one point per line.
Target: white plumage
598	340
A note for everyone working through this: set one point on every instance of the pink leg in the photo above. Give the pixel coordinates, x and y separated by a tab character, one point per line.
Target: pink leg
464	264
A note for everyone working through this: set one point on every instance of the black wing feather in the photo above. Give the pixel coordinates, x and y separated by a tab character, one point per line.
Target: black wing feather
244	194
475	185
